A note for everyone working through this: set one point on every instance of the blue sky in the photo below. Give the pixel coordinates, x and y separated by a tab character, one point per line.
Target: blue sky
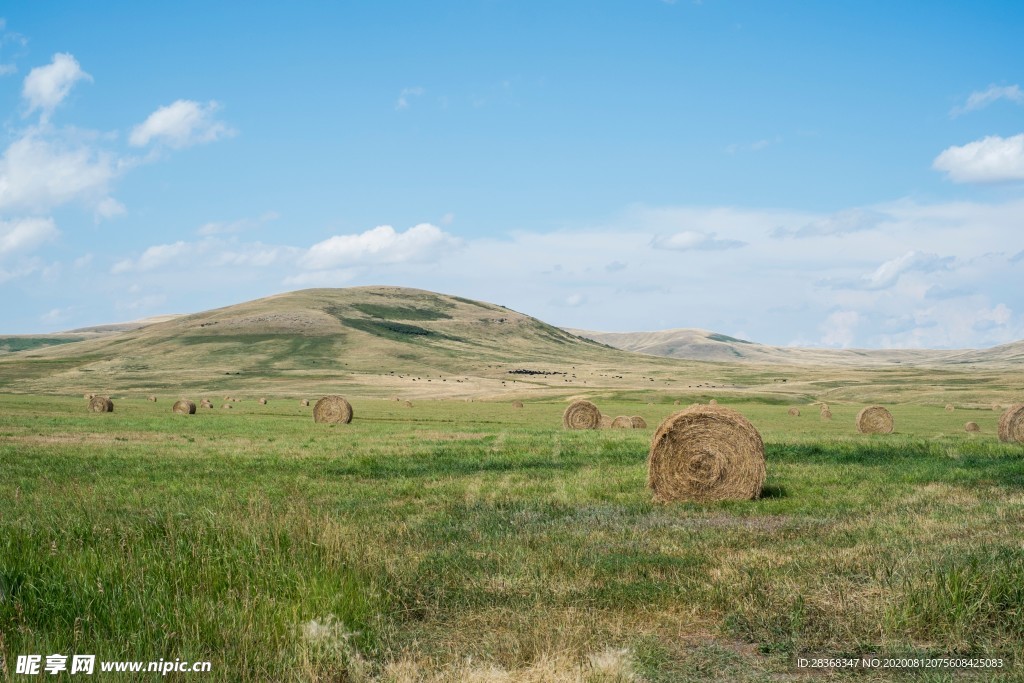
825	174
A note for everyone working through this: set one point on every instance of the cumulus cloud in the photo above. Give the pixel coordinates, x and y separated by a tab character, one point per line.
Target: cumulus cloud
25	234
696	240
46	87
992	159
994	93
380	245
40	173
207	253
181	124
406	95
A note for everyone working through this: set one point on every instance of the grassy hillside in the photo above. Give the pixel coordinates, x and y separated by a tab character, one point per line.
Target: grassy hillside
393	342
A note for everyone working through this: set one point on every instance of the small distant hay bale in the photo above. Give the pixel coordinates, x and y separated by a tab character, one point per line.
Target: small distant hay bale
622	422
581	415
1011	424
517	404
304	402
205	404
184	407
675	402
332	410
826	414
874	420
706	453
795	412
152	399
972	427
88	397
226	406
606	421
407	404
949	408
713	402
638	422
263	401
823	407
101	404
996	407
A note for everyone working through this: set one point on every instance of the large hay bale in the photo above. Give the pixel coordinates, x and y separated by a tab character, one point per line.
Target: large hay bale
622	422
606	421
874	420
332	410
972	427
826	415
263	401
1011	424
949	408
794	412
638	422
517	404
304	402
184	407
581	415
706	453
101	404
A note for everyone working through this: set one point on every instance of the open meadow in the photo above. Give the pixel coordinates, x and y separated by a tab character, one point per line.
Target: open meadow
456	540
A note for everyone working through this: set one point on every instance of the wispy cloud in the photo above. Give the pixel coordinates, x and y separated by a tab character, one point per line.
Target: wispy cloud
694	240
992	159
981	99
183	123
407	94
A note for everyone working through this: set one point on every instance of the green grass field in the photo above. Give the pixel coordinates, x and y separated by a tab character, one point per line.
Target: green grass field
460	540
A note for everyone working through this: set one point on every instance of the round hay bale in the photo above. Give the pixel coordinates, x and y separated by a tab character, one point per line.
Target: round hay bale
706	453
638	422
263	401
606	421
795	412
517	404
675	402
184	407
874	420
949	408
88	397
823	407
1011	424
581	415
226	406
304	402
152	399
826	415
332	410
713	402
407	404
205	404
622	422
996	407
101	404
972	427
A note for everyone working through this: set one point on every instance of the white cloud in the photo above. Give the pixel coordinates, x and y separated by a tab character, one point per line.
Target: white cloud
46	86
890	272
994	93
694	240
153	257
839	328
180	124
40	173
992	159
406	94
25	234
381	245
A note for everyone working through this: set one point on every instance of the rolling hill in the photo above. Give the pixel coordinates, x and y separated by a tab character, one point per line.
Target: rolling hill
702	345
389	342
